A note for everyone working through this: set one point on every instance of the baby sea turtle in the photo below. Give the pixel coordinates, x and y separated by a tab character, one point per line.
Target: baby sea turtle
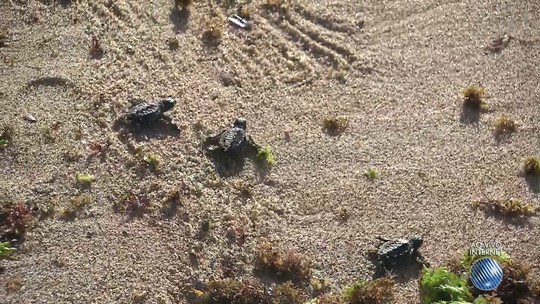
394	252
233	140
145	113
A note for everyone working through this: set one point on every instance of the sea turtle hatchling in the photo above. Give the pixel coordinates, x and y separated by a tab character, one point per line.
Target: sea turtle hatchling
233	140
145	113
394	252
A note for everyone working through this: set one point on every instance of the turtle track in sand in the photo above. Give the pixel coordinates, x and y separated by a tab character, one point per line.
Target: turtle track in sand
295	45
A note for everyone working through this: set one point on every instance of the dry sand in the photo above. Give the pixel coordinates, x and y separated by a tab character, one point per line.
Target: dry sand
395	69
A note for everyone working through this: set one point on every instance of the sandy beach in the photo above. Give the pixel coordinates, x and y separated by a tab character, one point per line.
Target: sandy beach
394	69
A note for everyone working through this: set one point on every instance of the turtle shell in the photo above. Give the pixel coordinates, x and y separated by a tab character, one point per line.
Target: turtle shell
233	139
144	112
395	249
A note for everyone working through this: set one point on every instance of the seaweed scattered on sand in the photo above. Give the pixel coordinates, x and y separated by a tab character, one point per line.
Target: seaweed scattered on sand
511	207
369	292
335	125
284	265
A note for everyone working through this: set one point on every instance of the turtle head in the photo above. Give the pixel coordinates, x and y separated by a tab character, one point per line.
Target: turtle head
166	104
240	123
416	241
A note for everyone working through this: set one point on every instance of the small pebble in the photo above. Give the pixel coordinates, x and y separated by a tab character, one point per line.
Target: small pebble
30	118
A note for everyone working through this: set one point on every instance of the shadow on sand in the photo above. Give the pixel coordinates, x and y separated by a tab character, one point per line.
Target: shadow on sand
501	138
517	221
180	19
158	130
404	272
226	165
533	182
469	115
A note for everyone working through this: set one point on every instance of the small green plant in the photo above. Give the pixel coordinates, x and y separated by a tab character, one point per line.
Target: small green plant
84	179
474	97
3	143
370	292
532	166
371	173
265	155
335	125
45	130
504	125
5	249
152	159
439	284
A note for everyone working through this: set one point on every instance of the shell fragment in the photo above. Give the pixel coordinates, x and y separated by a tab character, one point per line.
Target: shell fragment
239	21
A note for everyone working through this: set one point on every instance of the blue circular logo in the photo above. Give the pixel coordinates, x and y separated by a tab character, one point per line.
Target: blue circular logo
486	274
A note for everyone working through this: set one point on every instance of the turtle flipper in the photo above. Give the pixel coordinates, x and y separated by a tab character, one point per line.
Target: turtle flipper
136	101
382	239
213	139
385	266
420	259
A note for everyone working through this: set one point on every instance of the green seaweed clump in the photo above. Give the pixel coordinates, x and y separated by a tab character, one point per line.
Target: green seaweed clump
152	159
265	155
370	292
439	284
84	179
371	173
5	249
